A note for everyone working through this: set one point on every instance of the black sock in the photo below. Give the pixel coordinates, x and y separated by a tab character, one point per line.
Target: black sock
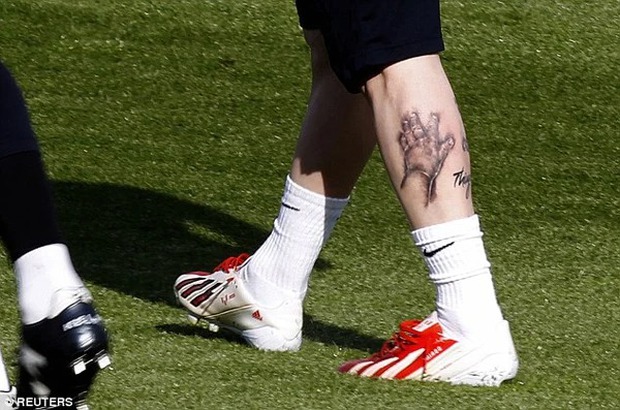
27	215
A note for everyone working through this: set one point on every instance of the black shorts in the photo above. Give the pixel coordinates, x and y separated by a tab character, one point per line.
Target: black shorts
365	36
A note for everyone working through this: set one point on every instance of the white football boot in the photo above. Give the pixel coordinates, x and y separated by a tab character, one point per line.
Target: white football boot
222	299
420	351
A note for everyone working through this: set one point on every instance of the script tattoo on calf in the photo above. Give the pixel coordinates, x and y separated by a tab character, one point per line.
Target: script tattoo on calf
424	149
463	179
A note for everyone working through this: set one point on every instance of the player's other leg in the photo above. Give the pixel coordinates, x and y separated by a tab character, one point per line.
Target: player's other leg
261	298
7	392
64	342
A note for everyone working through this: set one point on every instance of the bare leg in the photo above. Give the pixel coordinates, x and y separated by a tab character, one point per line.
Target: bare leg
423	144
336	139
337	135
422	140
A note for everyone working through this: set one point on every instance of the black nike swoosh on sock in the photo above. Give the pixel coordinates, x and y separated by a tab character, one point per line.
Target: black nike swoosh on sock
284	204
432	253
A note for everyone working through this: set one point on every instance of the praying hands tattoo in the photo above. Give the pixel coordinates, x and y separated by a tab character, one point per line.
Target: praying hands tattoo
425	150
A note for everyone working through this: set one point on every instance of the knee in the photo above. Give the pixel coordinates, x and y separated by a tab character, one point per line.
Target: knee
417	73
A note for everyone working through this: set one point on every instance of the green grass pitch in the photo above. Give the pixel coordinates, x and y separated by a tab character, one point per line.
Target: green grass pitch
168	128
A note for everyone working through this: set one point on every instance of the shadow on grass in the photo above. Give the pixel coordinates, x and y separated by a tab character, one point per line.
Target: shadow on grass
137	241
331	334
184	329
313	329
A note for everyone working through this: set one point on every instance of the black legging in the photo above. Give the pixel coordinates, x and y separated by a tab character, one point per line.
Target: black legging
27	216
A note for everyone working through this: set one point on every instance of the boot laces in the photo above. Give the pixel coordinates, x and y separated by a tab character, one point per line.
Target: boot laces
406	339
230	264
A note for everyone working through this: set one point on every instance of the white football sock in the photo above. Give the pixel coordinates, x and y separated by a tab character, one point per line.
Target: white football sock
454	253
281	267
5	385
47	283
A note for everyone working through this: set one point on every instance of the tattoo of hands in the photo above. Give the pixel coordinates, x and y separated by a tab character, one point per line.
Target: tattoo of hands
425	150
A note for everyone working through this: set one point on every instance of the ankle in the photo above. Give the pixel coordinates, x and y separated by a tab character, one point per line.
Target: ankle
266	293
